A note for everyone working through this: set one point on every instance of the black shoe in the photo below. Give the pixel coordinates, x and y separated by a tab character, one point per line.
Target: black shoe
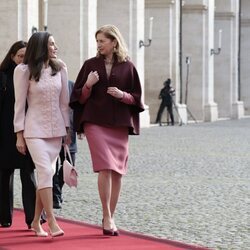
29	224
109	232
116	233
42	220
6	224
57	205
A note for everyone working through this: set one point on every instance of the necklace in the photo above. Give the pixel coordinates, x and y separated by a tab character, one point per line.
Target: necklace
107	61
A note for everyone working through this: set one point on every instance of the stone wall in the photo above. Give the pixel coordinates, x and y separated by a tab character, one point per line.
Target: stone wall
216	85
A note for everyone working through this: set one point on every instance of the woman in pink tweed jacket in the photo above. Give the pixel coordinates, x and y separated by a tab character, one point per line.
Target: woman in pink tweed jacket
42	118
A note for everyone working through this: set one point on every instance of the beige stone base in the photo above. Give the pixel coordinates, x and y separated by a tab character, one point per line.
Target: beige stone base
237	110
210	112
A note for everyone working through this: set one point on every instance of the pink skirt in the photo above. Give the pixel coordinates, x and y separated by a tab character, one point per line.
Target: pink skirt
44	153
108	147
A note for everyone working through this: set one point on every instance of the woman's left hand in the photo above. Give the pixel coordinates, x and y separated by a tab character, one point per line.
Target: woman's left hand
115	92
21	144
67	138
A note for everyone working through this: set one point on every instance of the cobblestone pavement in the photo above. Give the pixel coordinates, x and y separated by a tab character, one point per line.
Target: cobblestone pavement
185	183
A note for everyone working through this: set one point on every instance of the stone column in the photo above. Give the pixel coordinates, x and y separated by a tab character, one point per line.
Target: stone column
226	63
130	22
162	57
73	25
9	28
176	61
17	20
198	40
245	55
210	107
30	12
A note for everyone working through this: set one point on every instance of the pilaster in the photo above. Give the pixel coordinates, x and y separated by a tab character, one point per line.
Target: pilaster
162	58
17	19
227	19
176	62
132	29
198	39
244	55
73	25
29	12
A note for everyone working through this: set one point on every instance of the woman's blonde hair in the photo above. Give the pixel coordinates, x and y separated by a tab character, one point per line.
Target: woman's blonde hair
112	32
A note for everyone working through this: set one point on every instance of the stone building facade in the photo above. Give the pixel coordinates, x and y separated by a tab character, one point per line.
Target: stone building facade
210	84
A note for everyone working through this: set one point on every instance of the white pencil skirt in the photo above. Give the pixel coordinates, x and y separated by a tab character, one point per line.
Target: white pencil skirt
44	153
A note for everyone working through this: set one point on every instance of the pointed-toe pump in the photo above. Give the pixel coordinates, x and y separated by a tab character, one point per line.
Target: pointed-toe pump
40	233
57	233
109	232
116	233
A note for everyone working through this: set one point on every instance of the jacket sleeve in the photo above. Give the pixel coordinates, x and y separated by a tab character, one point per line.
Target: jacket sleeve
75	99
137	91
21	86
77	89
64	96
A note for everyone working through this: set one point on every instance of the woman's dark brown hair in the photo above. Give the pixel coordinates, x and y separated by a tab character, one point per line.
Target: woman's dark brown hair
37	54
7	61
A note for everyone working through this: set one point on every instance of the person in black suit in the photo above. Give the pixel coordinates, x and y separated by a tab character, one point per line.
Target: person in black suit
165	95
11	159
58	181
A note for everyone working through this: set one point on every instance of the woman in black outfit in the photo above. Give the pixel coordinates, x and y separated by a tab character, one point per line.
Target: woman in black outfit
11	159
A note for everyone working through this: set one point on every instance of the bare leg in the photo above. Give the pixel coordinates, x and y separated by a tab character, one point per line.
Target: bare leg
115	193
38	210
104	187
47	201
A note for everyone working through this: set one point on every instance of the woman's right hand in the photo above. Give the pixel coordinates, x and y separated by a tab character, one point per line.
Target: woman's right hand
92	79
20	143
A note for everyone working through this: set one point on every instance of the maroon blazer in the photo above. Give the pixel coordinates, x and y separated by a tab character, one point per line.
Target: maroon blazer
101	108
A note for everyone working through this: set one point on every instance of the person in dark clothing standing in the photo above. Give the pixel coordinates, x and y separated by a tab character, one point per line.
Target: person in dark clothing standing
166	96
11	159
58	181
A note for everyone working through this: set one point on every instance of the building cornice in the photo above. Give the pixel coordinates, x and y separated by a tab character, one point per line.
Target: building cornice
158	3
245	22
191	8
224	15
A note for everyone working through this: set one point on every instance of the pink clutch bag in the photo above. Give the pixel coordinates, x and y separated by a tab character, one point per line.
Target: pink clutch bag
69	172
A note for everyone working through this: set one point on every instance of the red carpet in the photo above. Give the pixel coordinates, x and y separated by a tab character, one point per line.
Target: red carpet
80	236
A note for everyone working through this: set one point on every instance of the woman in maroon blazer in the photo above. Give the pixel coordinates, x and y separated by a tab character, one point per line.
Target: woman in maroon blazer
107	101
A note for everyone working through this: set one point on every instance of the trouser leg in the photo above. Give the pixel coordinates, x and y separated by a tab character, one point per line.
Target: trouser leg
170	111
159	114
56	186
28	192
6	195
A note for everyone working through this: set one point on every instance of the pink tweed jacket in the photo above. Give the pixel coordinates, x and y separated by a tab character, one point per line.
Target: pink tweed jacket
47	115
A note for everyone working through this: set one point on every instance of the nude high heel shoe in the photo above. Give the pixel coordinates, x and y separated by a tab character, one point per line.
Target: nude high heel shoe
109	232
39	233
56	232
116	231
60	232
